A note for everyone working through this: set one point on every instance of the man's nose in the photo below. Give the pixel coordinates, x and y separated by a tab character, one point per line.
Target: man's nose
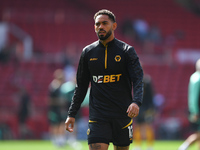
100	26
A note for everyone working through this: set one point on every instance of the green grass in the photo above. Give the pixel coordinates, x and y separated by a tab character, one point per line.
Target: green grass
47	145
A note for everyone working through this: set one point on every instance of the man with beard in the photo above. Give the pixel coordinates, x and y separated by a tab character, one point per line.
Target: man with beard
113	69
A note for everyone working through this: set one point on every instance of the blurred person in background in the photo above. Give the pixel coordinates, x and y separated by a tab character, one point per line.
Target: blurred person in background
143	128
24	113
56	106
4	29
60	96
141	28
114	71
4	37
194	108
67	91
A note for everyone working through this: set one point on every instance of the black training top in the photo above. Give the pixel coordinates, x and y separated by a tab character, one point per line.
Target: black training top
112	70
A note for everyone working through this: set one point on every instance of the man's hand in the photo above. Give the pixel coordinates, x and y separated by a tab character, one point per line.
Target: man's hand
69	124
133	110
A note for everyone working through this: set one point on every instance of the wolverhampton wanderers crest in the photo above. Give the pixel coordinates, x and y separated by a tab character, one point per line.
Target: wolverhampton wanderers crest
117	58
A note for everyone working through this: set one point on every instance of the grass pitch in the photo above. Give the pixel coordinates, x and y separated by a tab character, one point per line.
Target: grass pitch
47	145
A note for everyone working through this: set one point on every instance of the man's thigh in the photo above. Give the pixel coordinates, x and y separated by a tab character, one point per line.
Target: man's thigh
121	148
99	146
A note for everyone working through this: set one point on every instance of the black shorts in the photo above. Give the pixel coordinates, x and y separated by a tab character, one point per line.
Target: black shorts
117	131
55	117
195	126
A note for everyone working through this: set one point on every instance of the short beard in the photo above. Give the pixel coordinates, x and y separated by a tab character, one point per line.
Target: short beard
104	37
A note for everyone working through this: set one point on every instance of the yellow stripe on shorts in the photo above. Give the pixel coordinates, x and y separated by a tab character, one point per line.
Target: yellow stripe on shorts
128	124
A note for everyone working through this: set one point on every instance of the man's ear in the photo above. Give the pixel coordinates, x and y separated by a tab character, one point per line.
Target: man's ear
114	25
94	28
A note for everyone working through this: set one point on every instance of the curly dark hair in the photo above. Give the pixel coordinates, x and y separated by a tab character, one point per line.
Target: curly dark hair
106	12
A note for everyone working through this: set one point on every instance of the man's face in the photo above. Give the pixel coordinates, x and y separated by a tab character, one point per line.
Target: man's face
103	27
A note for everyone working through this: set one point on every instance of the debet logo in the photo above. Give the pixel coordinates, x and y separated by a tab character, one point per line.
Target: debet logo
106	78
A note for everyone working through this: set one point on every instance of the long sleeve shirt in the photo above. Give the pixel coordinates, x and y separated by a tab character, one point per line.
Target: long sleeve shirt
115	74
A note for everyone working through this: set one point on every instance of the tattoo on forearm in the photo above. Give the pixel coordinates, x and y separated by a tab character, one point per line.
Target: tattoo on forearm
95	146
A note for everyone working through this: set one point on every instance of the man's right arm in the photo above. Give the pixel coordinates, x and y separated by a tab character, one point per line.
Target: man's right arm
83	78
